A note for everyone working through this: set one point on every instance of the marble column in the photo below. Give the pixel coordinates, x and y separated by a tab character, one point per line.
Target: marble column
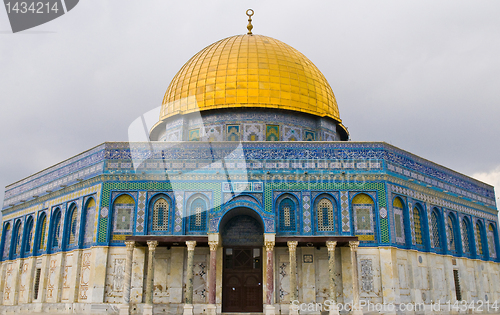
292	255
269	241
188	306
125	307
331	274
356	309
148	308
211	307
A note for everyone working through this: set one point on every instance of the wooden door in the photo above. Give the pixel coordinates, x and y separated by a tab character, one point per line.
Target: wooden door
242	280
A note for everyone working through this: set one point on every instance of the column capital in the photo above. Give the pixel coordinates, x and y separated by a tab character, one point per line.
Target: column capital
331	245
354	245
213	245
130	245
191	245
152	245
292	245
269	245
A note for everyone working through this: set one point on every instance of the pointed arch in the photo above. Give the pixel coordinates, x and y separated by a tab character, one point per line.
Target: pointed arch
28	235
71	226
466	237
492	241
418	225
41	234
436	231
286	205
123	217
325	210
399	220
197	207
88	222
481	250
56	229
7	236
451	233
160	208
363	213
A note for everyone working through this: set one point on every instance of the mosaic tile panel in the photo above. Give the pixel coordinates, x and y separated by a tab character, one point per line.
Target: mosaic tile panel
156	186
141	213
366	275
306	212
344	209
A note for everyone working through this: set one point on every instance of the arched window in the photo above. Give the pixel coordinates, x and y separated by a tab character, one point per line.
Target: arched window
17	236
123	212
465	237
451	234
28	235
7	235
56	229
436	235
417	224
399	224
161	210
287	215
325	210
88	224
72	226
42	228
198	215
479	239
364	226
491	241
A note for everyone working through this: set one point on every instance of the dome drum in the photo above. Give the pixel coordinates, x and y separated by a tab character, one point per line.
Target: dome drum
245	124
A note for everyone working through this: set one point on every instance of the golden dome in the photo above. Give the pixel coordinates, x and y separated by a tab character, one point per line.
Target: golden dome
249	71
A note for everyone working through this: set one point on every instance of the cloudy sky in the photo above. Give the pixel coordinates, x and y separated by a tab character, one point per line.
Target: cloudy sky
421	75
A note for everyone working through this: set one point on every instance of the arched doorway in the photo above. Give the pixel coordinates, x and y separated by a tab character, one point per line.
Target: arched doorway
242	240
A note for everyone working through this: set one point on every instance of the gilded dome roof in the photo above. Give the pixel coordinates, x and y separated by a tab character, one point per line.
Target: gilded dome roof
250	71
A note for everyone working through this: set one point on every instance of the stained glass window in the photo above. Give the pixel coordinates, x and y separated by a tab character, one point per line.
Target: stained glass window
325	211
56	232
465	237
491	241
160	215
398	220
436	240
89	222
479	240
287	215
29	235
198	217
417	225
43	231
17	238
7	236
450	234
72	226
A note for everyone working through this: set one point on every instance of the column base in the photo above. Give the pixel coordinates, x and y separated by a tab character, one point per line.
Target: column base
357	312
124	309
147	309
334	310
293	310
270	310
211	309
188	309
